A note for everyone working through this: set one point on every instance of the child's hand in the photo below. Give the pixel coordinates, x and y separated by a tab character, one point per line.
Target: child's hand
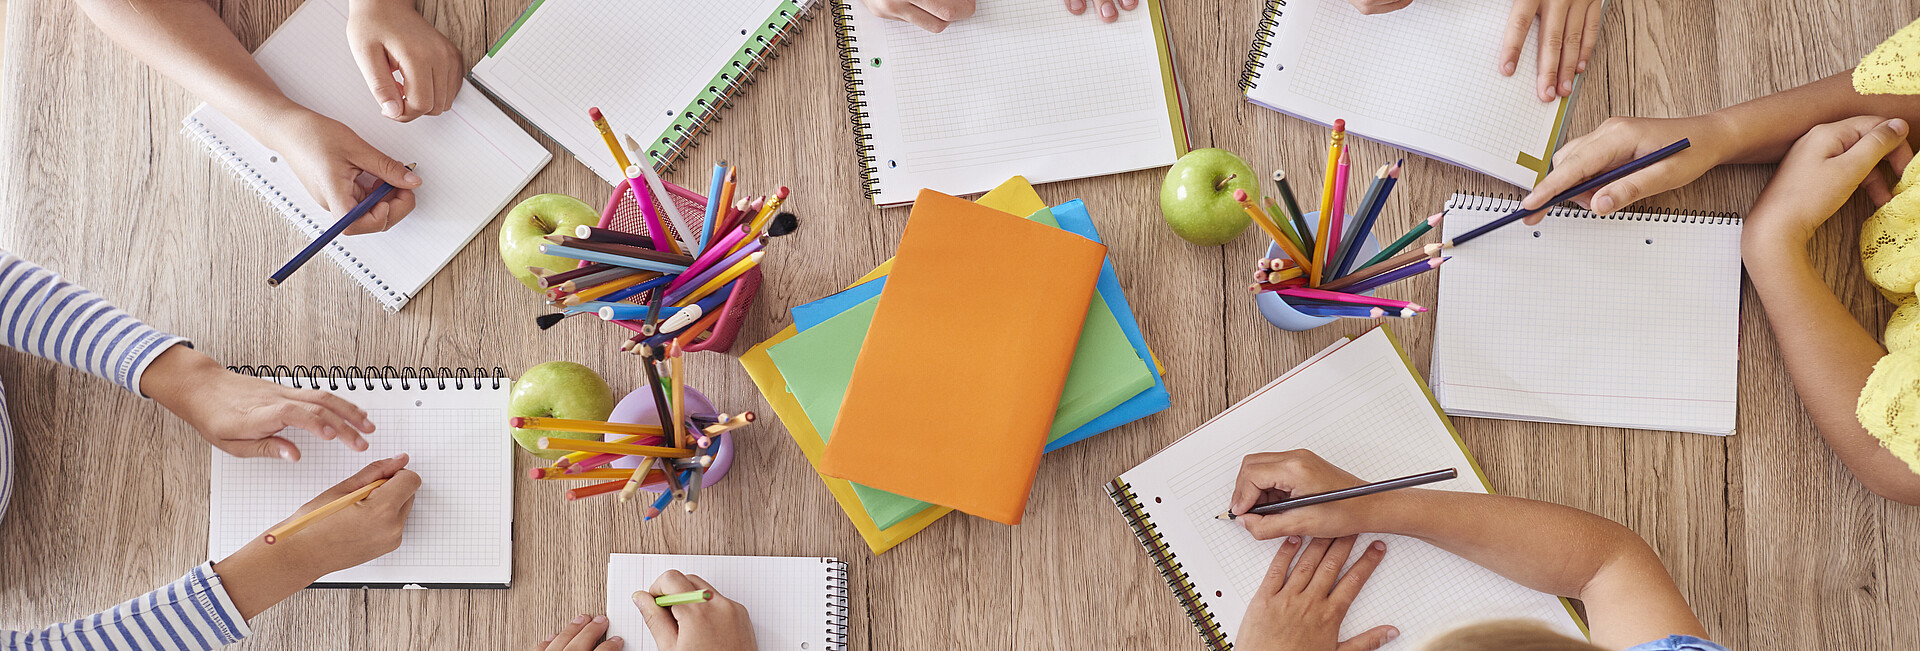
930	15
1568	31
1371	7
719	624
1107	10
339	169
1820	172
362	532
1619	141
242	415
1301	609
582	634
389	35
1269	476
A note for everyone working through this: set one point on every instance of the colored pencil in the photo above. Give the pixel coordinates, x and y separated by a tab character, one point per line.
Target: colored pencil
639	477
1275	277
339	504
577	445
713	206
557	474
1277	506
643	198
697	277
596	234
682	598
584	492
1398	275
1356	299
679	369
583	426
727	187
1272	230
660	503
742	420
738	269
1339	222
1413	235
333	232
642	439
1390	264
1280	219
620	260
629	312
636	290
1326	203
689	334
606	133
683	232
605	288
608	273
1350	311
620	249
1361	226
1587	186
1293	210
653	316
557	279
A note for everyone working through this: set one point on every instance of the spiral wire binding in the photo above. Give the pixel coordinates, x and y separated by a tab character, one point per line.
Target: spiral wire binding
856	102
1262	39
1505	202
839	606
363	378
731	85
243	170
1164	561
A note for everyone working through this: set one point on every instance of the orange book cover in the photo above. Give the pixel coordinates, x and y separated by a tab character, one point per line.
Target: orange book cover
962	369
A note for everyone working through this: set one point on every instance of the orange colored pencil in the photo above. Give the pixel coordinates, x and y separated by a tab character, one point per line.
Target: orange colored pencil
576	445
586	426
596	489
1326	204
596	473
1266	224
687	336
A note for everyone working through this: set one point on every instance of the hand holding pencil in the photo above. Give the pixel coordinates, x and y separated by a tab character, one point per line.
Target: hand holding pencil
1272	476
357	520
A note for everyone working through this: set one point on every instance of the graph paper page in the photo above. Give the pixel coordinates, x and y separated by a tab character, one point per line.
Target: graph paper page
1361	408
460	530
1627	322
1424	78
788	596
1022	87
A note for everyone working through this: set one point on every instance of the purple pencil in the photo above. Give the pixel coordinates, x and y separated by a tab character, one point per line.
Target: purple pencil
705	261
714	271
1397	275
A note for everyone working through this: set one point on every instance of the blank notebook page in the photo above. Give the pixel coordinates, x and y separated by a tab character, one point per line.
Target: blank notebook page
1361	408
640	63
1022	87
473	158
1443	97
460	530
1629	321
797	603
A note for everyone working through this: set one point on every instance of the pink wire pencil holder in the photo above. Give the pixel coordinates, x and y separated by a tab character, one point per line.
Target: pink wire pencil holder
622	214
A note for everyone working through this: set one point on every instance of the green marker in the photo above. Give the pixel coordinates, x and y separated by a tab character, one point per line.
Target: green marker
683	598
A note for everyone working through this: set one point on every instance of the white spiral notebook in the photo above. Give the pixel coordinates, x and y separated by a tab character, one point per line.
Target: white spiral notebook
797	603
452	425
1423	78
1630	320
473	158
1361	406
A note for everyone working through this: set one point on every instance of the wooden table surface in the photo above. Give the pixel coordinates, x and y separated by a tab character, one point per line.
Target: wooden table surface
1772	541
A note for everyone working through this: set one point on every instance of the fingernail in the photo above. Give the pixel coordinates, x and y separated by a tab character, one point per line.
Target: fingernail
1566	86
403	455
286	454
1107	11
1377	544
1899	126
1508	67
1393	633
1581	67
599	619
1603	204
615	638
390	108
1293	540
580	619
411	177
549	639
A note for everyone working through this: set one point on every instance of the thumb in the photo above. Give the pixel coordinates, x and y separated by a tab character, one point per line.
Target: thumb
1374	638
385	168
1876	143
378	71
272	446
666	631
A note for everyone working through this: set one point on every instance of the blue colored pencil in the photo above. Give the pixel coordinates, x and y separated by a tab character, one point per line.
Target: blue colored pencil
609	258
1588	186
333	232
660	503
713	207
1397	275
1350	311
1366	220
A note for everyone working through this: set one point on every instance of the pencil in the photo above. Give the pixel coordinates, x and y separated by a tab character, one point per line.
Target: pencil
1273	231
339	504
682	232
606	288
606	133
1398	275
659	399
690	333
596	234
333	232
1326	203
759	224
695	277
1280	219
638	477
727	187
653	320
627	250
577	457
1349	311
1335	238
742	420
1293	210
1358	229
592	490
583	426
629	449
643	197
666	497
1362	490
1413	235
1355	299
551	473
679	369
609	273
633	291
1587	186
682	598
1389	264
557	279
619	260
738	269
713	205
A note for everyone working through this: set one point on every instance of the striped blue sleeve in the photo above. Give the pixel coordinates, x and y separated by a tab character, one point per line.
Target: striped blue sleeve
191	614
52	318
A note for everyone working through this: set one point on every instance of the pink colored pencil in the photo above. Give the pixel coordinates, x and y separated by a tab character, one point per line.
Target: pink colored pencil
1341	297
714	253
1337	224
642	197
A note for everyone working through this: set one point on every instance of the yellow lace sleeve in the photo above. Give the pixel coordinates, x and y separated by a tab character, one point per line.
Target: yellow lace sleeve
1889	405
1894	67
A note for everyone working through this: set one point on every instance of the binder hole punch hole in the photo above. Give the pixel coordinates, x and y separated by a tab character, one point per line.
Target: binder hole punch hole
891	164
419	403
1156	500
876	62
1649	241
273	159
1216	593
1536	234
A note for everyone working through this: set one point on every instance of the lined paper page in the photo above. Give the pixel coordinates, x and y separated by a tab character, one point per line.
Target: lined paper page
1022	87
1424	78
473	158
641	63
787	596
460	529
1361	408
1627	322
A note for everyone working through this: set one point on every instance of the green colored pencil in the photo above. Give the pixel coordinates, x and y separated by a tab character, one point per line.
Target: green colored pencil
683	598
1402	243
1280	219
1293	210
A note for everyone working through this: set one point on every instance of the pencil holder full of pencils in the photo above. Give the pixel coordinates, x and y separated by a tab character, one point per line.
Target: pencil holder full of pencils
1284	314
622	213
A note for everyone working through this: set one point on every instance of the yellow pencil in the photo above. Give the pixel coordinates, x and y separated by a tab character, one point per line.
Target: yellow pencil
577	445
294	526
1273	231
585	426
634	481
679	371
606	288
1326	203
738	268
606	133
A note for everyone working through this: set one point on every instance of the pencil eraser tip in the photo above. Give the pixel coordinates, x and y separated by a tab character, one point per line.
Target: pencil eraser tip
517	421
1239	194
632	171
1339	125
593	112
782	192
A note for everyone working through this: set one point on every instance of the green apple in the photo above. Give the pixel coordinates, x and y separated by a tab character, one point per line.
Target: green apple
558	390
1197	198
537	217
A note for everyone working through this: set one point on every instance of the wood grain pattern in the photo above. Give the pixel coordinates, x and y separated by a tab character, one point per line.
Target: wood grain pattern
1773	542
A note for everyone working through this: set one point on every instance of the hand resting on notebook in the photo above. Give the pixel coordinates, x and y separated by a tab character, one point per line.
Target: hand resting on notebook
389	36
935	15
1630	598
1300	609
719	624
243	415
1568	31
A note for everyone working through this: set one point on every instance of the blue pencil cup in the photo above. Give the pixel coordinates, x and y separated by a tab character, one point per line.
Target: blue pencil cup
1282	315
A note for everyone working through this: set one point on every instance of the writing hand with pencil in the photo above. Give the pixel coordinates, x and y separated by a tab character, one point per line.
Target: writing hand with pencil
716	624
1272	476
343	527
390	36
1302	601
339	169
1621	140
243	415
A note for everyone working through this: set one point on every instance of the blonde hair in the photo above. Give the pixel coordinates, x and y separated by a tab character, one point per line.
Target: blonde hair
1508	635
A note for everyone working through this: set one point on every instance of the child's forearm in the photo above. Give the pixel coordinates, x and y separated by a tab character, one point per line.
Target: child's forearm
1764	128
1829	355
187	42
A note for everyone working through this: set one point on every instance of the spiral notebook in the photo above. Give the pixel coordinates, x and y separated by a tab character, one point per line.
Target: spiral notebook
473	157
1423	78
1361	406
452	425
797	603
1629	320
1021	88
659	70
